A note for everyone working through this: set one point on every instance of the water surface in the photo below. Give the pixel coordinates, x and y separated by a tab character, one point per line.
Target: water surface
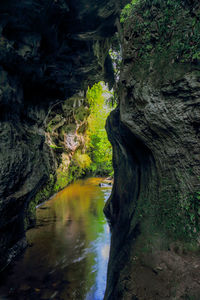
69	248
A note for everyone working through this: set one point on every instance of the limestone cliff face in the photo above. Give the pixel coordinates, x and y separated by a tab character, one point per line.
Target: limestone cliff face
154	207
49	51
52	50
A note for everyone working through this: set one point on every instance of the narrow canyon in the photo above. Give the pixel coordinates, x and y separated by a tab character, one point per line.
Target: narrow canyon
50	52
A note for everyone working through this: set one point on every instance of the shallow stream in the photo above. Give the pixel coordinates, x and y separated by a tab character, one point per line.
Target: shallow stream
69	247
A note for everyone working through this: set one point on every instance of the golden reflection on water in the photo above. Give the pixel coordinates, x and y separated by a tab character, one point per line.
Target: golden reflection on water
70	247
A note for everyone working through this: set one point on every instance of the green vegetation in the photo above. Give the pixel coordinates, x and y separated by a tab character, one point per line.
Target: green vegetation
164	27
55	147
43	194
178	214
94	156
99	148
77	168
63	178
174	214
65	174
127	11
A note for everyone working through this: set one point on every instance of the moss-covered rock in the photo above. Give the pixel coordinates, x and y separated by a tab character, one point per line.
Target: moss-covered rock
154	206
45	192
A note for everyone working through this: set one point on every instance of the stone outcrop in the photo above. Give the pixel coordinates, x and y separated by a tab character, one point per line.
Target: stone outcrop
49	51
52	50
155	132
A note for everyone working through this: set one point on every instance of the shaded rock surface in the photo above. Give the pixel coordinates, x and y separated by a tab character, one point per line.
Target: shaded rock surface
49	51
155	133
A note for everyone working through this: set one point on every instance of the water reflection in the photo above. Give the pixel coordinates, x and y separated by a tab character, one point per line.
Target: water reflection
70	247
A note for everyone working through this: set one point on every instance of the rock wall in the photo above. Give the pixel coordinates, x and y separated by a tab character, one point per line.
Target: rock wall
65	127
49	51
52	50
155	132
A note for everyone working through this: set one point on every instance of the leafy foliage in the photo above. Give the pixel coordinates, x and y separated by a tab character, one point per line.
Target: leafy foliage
95	157
99	148
127	11
82	160
169	27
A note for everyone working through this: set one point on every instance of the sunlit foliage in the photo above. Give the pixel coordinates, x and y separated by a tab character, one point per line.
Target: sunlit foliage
99	148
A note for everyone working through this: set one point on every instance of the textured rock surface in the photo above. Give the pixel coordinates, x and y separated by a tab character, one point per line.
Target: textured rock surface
66	135
49	50
25	165
154	206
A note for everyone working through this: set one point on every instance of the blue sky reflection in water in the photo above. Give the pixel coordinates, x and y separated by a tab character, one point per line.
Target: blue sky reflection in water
70	247
101	247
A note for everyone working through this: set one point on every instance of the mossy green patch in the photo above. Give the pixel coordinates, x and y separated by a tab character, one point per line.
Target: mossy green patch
99	148
164	35
81	113
55	147
62	180
172	214
42	195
